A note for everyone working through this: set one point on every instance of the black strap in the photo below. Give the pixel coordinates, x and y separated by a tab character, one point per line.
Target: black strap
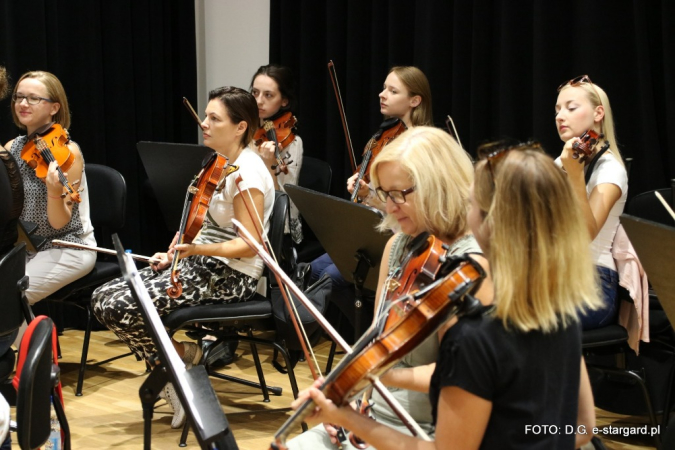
594	161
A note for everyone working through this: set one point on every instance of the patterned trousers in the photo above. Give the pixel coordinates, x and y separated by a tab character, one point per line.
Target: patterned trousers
206	281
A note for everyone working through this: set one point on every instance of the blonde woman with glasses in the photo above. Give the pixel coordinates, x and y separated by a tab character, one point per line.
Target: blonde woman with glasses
423	178
600	182
504	373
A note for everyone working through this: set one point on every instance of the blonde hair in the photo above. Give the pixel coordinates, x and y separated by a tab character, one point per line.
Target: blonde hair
417	84
598	97
441	172
55	92
539	248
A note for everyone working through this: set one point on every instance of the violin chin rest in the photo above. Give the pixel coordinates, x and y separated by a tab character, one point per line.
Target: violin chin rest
471	307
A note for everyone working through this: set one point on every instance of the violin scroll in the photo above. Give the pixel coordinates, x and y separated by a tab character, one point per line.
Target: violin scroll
584	147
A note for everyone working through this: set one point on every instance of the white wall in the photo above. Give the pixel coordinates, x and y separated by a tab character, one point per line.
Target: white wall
232	42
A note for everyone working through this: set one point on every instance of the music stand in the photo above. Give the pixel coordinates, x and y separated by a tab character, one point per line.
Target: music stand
654	244
346	230
171	168
192	386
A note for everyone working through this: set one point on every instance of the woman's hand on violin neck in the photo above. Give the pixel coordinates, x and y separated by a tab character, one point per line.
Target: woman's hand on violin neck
364	190
573	166
187	250
266	152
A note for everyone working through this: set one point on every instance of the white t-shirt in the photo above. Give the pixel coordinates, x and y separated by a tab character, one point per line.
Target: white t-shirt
254	175
608	170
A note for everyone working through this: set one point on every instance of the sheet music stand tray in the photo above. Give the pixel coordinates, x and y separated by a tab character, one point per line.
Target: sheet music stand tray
346	230
192	386
654	244
171	168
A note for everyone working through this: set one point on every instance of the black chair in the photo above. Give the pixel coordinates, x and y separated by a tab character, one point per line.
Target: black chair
315	174
15	309
647	206
37	386
254	314
107	200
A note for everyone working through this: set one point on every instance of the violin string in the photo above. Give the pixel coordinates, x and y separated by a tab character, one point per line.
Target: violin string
48	156
265	238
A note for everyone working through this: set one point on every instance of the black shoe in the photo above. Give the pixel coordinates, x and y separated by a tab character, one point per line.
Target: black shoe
221	355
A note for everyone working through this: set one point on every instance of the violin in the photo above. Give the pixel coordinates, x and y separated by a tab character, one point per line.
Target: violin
279	129
583	149
51	144
389	130
377	350
196	206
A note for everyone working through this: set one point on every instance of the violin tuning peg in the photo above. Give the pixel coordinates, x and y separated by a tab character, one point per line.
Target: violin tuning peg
75	183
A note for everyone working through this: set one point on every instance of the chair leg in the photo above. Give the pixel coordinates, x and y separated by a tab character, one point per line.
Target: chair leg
258	369
85	352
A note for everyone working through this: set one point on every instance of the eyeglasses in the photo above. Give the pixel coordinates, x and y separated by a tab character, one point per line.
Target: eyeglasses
397	197
494	152
31	99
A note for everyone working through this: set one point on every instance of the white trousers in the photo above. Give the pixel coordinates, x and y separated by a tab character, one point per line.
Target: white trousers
50	270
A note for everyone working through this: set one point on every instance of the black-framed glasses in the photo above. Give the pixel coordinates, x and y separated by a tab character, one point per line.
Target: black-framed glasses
31	99
397	197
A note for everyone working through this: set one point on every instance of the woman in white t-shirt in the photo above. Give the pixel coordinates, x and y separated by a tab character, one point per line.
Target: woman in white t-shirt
582	106
218	266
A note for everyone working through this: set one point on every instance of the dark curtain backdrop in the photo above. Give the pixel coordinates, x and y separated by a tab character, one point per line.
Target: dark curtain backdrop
494	65
125	66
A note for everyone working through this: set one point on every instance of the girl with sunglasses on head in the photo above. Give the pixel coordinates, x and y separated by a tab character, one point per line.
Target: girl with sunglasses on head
516	364
38	101
217	267
423	179
272	87
600	182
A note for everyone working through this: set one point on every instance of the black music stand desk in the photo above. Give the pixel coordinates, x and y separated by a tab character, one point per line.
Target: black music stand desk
654	244
192	386
347	232
171	168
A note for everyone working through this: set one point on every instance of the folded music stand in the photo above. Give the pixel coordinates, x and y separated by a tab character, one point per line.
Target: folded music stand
192	386
654	244
171	168
346	230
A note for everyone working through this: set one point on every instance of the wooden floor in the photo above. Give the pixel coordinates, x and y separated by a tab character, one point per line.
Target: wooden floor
108	415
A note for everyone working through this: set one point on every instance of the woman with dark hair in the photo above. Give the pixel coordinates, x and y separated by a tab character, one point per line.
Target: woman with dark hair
272	87
217	267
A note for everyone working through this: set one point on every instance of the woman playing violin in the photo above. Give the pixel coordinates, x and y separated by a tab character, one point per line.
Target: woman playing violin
39	100
582	106
217	267
519	362
406	95
423	178
272	87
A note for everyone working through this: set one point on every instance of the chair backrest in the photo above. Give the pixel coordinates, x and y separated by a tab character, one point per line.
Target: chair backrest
12	271
35	385
280	245
107	199
315	174
647	206
11	200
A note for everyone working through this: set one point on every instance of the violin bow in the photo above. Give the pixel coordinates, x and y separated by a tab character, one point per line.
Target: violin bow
453	131
192	112
297	325
405	417
343	116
